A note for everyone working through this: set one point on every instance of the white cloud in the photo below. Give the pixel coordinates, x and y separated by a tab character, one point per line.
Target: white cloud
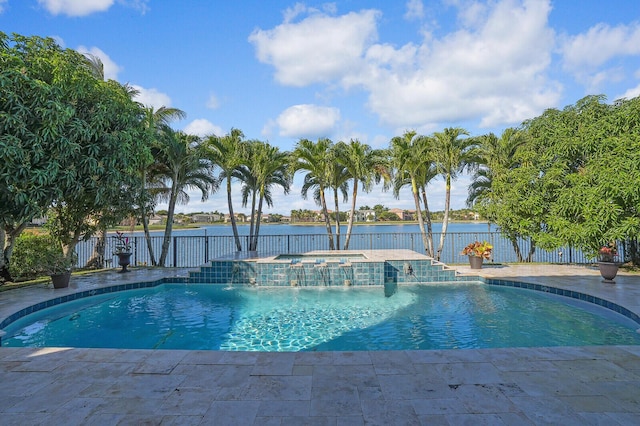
492	69
292	13
600	44
203	127
213	102
111	69
585	53
320	48
495	72
151	97
308	121
415	10
140	5
631	93
86	7
3	3
75	7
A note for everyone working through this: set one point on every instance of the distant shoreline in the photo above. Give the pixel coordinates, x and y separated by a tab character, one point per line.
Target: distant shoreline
138	228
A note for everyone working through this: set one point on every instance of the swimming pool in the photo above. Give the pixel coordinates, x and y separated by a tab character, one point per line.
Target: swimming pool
423	316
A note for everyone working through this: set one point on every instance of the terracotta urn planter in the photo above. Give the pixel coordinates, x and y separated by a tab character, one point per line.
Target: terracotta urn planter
476	262
608	271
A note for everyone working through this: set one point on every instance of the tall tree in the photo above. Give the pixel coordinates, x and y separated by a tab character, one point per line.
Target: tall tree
228	153
339	183
98	148
493	155
410	155
588	168
364	165
184	166
314	159
33	116
267	167
496	156
156	123
453	155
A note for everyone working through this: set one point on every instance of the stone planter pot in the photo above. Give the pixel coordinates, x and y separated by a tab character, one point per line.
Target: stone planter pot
61	280
124	259
608	270
476	262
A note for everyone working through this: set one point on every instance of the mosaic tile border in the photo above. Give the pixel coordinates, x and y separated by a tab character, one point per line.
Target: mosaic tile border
562	292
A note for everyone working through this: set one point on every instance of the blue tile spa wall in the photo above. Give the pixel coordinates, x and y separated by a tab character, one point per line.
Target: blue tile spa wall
321	273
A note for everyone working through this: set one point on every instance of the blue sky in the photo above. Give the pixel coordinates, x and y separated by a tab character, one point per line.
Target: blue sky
285	70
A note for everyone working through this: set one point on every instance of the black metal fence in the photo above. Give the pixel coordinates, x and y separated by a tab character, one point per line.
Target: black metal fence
193	251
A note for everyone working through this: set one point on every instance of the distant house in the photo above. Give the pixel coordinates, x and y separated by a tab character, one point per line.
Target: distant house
404	214
364	215
206	217
240	217
156	220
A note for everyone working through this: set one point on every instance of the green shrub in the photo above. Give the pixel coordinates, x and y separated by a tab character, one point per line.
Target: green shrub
37	255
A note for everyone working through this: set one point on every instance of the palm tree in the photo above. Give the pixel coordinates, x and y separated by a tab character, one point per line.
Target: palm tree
339	182
228	153
410	157
494	156
156	124
183	165
314	159
453	155
267	167
363	164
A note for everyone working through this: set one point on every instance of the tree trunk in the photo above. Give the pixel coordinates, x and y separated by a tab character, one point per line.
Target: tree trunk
8	236
252	226
147	236
69	248
96	261
166	241
353	212
445	220
532	250
327	221
429	225
337	213
11	234
416	200
145	219
258	220
4	258
232	216
516	247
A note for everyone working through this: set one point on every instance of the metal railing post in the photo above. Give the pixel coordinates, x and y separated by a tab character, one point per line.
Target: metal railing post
175	252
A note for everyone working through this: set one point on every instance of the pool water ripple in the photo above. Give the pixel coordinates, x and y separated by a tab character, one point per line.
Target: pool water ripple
433	316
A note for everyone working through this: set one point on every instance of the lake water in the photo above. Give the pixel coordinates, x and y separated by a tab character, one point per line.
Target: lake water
195	246
300	229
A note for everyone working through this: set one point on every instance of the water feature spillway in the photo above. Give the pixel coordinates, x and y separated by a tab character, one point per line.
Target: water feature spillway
322	268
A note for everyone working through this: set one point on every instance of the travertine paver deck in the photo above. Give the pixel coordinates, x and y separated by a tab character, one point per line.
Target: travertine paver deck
567	386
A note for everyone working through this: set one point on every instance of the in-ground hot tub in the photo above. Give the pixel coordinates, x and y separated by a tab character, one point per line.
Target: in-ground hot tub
309	256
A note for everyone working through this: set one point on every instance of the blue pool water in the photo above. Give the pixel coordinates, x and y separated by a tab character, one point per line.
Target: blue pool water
448	316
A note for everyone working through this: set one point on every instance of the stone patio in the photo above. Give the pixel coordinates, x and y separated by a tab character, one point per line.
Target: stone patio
565	385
